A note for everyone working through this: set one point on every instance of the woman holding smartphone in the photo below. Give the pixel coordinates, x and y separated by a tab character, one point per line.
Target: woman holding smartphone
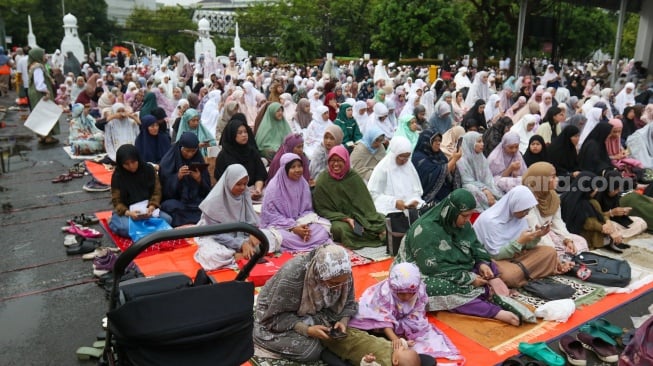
185	180
542	180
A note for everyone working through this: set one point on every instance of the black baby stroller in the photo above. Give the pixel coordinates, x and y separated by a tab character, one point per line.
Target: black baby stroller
171	320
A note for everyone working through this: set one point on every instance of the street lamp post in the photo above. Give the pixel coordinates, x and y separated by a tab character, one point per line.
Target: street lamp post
88	42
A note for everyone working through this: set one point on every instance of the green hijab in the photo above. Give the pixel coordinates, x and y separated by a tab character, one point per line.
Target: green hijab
271	131
35	55
403	129
342	114
446	212
377	96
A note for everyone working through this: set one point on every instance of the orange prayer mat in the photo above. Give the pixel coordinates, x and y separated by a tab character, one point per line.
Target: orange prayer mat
99	172
366	275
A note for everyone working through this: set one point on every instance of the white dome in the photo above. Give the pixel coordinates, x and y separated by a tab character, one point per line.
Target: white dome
69	20
204	25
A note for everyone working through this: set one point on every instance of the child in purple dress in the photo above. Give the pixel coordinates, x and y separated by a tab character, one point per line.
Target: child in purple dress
397	307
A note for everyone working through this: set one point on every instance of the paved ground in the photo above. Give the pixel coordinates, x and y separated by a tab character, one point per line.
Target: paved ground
49	305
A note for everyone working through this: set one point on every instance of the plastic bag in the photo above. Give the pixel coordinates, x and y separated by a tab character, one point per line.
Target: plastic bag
141	228
556	310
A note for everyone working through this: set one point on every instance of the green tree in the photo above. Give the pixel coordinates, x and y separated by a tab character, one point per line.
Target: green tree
47	21
629	38
411	27
583	30
492	25
160	29
259	27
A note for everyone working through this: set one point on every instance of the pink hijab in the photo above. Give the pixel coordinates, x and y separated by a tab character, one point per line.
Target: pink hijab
341	152
613	146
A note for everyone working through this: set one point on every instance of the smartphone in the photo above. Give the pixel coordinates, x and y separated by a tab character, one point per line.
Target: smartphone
196	166
358	228
546	225
459	144
337	334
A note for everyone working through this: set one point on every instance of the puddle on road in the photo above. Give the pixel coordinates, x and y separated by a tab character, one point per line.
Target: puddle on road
20	319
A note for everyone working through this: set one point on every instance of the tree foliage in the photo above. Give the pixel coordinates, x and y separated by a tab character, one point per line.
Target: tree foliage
160	29
47	21
411	27
302	30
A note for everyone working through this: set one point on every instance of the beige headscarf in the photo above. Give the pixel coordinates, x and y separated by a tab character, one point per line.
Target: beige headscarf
329	261
537	180
449	140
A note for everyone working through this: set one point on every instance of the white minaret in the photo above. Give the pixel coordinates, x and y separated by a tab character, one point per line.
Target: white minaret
204	44
240	53
31	38
71	41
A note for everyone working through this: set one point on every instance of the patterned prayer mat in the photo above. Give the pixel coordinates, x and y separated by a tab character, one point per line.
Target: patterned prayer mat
261	361
124	243
585	294
375	254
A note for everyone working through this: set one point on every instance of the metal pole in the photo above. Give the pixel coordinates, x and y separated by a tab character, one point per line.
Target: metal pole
63	8
520	34
617	43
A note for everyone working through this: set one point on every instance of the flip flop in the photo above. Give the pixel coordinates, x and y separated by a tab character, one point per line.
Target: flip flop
541	352
606	327
597	333
62	178
86	353
69	240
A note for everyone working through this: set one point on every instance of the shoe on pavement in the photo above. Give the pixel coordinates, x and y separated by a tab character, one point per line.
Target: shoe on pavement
95	186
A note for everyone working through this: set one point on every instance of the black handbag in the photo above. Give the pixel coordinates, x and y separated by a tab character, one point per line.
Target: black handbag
549	289
602	270
397	225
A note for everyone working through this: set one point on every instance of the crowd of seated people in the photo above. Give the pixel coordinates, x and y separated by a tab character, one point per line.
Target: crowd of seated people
507	179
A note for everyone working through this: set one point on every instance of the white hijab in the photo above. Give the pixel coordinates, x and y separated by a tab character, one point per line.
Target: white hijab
221	206
524	134
390	182
497	226
361	119
478	90
640	145
624	98
491	109
211	112
593	119
386	126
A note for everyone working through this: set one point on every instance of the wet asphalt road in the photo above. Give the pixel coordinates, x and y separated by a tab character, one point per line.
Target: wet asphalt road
49	304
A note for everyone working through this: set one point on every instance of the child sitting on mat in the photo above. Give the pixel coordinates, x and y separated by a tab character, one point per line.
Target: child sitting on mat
396	308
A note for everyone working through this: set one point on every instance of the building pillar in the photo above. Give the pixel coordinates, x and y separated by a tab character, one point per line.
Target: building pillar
644	44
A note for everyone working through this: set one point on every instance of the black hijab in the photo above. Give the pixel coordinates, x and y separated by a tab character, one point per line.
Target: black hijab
431	167
562	152
474	114
234	153
593	155
134	187
151	148
614	182
529	157
575	203
492	137
629	126
548	118
186	189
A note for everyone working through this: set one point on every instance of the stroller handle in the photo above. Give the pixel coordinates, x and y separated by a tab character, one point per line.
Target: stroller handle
126	257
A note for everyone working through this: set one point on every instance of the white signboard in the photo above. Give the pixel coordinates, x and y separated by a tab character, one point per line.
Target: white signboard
44	116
